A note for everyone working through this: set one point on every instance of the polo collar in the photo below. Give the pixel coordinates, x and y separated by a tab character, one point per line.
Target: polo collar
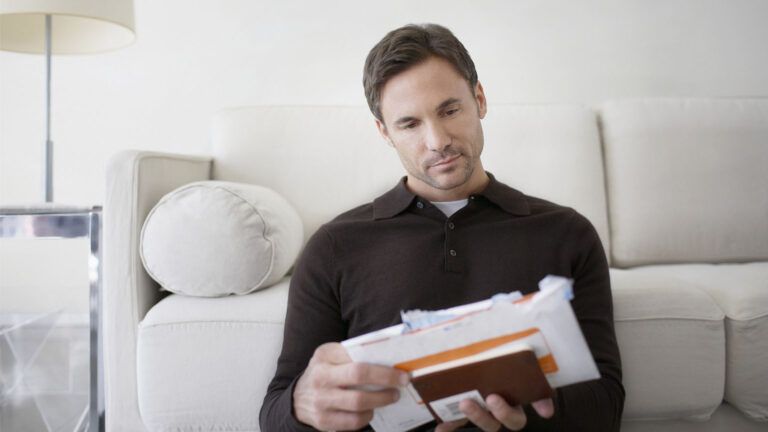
399	198
510	200
393	202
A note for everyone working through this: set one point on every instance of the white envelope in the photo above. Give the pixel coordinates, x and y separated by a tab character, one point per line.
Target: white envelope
542	320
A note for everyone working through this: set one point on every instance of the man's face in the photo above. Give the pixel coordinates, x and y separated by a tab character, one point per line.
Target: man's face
432	119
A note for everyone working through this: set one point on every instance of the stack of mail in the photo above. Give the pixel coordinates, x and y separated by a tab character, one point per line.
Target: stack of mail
542	321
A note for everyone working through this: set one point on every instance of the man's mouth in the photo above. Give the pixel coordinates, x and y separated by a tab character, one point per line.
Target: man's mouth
445	161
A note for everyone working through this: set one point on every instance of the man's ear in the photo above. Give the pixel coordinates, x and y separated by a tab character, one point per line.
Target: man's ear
482	103
383	132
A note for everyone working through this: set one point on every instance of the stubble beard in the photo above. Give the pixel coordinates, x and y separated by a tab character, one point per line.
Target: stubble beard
467	167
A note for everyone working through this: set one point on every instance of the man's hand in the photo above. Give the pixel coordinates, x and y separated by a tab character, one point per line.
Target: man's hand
327	396
501	413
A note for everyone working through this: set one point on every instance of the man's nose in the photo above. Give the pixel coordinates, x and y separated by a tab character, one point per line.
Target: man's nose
437	138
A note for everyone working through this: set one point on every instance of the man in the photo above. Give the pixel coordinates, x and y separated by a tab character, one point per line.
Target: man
449	233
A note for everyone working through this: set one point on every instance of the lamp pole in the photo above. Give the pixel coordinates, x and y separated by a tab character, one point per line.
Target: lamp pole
48	153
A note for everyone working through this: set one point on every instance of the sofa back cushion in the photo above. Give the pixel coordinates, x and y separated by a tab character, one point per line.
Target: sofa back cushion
687	180
326	160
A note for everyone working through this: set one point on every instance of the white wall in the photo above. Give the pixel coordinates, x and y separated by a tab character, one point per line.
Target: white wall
193	57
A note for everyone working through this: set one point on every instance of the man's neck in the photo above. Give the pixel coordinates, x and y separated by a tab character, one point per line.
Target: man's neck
476	183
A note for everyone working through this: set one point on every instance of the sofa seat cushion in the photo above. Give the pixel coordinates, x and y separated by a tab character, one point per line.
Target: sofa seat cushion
725	419
205	363
741	291
672	342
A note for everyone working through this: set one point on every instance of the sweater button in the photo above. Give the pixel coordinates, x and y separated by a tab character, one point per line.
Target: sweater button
420	205
452	252
451	225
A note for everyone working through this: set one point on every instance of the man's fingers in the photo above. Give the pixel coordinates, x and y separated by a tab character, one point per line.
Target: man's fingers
512	417
544	407
335	393
359	400
451	426
366	374
479	416
331	352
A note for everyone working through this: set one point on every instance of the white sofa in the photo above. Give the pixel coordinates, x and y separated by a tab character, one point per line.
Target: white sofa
677	189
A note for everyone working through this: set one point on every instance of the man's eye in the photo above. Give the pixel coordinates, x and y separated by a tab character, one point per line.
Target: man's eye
451	112
409	126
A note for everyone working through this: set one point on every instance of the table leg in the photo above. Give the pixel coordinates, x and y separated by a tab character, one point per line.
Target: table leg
96	411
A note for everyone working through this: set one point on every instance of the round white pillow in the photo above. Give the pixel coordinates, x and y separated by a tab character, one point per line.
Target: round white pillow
214	238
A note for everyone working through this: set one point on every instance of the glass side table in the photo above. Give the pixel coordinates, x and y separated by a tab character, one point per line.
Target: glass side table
53	221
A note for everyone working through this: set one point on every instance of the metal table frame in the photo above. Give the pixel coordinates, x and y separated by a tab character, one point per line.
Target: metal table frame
55	221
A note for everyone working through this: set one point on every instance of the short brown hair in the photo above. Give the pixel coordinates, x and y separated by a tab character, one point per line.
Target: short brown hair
407	46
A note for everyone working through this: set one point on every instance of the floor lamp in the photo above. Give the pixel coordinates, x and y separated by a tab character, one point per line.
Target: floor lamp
63	27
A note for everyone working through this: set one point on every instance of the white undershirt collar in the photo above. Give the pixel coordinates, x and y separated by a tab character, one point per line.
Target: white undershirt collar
450	207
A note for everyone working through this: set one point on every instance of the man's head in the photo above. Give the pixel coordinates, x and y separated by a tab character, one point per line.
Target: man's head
421	86
407	46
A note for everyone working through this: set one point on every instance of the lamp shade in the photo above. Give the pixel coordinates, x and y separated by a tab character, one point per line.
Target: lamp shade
78	26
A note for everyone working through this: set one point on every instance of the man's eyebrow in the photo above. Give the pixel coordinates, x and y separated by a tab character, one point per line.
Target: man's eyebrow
446	103
404	120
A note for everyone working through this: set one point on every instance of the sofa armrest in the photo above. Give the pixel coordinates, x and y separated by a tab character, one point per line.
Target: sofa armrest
136	180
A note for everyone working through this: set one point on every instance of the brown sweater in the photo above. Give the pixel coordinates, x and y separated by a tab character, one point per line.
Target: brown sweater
400	252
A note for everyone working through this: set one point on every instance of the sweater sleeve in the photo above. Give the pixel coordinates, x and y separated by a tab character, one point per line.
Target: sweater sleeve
594	405
312	318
